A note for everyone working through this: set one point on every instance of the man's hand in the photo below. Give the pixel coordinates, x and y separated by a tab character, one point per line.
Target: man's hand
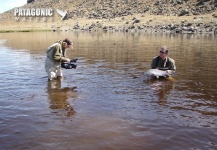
74	60
168	73
67	60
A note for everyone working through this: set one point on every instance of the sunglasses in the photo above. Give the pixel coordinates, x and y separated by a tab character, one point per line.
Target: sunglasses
162	52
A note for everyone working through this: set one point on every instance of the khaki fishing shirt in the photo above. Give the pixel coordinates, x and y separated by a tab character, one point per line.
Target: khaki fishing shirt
56	53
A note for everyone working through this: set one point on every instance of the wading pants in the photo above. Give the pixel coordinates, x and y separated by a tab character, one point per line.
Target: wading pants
53	70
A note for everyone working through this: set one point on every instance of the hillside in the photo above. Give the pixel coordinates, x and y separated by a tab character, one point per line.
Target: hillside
120	15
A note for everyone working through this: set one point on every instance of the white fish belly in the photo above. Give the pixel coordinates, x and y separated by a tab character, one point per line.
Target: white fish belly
155	72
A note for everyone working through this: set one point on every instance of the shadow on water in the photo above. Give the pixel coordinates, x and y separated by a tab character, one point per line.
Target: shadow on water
59	96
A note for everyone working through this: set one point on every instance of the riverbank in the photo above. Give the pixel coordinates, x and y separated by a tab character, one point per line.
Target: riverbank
131	23
118	16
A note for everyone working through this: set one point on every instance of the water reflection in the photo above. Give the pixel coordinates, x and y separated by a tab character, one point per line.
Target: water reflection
162	89
59	96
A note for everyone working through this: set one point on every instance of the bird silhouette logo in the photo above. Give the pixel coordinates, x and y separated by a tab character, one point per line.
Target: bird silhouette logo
62	13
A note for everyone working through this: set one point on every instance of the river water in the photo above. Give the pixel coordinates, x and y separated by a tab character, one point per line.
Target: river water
105	103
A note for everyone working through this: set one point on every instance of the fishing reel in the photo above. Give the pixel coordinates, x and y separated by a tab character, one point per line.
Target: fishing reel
69	65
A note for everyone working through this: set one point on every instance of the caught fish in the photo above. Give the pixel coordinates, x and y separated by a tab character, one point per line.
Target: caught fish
156	73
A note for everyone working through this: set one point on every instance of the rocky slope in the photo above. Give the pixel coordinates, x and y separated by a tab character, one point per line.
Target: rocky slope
179	16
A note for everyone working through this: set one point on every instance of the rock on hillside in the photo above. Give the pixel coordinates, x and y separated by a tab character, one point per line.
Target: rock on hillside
116	8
